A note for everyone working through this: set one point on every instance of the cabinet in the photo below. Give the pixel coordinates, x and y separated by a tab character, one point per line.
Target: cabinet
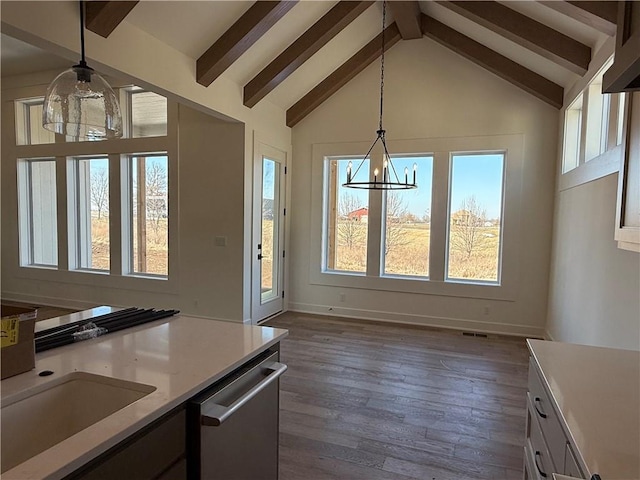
627	232
547	448
155	451
583	412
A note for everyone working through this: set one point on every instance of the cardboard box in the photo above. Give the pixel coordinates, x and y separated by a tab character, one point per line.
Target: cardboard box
17	350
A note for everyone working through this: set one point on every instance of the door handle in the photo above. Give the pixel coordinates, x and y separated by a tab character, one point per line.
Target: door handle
216	414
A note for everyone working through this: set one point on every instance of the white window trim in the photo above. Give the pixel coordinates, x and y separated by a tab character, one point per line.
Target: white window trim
62	151
441	148
609	161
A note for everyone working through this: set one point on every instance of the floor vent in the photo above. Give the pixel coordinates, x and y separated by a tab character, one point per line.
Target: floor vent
475	334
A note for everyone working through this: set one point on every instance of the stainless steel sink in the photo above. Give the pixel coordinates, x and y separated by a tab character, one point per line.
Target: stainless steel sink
40	418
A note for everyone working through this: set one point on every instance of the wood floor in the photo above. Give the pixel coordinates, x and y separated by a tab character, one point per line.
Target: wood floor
378	401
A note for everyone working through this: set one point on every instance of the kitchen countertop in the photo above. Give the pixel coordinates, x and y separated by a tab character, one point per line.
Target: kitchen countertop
597	394
180	356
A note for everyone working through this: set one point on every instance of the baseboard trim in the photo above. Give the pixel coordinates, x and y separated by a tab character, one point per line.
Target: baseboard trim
429	321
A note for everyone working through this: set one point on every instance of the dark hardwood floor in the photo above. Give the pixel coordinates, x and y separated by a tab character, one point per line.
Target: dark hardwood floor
380	401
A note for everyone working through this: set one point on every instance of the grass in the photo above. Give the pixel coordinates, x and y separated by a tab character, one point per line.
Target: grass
409	254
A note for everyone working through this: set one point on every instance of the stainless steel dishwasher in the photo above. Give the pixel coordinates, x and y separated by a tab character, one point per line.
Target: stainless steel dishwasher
232	427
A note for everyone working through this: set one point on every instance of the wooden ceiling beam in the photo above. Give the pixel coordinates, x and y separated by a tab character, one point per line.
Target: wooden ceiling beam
600	15
332	23
407	17
525	31
500	65
103	17
252	25
342	75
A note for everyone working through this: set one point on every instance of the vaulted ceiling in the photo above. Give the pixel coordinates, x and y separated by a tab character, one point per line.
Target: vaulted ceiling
297	54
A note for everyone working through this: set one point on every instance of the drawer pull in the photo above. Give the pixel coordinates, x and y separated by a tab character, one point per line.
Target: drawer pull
535	405
535	460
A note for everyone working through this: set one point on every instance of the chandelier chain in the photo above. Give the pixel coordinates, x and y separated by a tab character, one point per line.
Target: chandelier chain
384	17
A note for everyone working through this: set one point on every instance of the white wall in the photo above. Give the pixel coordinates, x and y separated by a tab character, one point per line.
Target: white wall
137	57
205	280
432	92
594	296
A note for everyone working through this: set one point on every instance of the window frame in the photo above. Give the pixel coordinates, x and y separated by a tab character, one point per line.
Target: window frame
128	268
26	213
62	151
440	148
610	158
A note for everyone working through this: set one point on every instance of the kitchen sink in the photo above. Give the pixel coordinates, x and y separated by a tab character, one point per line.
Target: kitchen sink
40	418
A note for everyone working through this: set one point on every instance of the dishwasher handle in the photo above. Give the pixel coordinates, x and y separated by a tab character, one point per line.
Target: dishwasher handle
216	414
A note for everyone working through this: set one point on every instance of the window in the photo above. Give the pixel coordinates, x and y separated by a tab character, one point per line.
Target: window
388	234
115	201
91	212
475	213
146	112
347	219
37	212
572	129
29	130
148	213
407	215
592	124
597	126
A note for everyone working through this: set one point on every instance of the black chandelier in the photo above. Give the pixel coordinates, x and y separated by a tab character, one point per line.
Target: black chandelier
389	180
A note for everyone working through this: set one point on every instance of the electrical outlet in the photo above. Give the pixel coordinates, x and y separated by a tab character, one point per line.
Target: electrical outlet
487	310
221	241
343	297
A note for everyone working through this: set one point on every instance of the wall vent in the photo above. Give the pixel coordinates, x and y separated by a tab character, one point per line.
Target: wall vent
475	334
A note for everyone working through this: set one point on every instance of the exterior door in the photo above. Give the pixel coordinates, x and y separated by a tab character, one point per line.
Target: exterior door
268	237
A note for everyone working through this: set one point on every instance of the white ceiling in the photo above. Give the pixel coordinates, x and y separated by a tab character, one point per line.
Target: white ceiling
192	26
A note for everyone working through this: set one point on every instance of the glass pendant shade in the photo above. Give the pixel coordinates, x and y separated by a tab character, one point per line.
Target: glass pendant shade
80	104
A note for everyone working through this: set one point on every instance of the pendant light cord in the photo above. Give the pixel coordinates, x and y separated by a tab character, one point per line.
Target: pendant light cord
384	16
83	60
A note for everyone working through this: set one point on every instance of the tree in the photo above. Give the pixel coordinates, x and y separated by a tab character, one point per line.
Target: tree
397	216
466	226
100	190
156	193
350	232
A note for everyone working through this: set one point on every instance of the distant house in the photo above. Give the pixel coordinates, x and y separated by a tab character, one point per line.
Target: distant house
462	217
359	215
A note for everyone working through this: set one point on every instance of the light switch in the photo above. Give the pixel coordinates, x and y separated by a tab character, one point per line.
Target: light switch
221	241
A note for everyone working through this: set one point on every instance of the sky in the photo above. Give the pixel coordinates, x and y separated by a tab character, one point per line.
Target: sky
479	175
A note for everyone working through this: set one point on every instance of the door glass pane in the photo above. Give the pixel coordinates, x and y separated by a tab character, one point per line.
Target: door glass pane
475	217
270	229
347	218
408	220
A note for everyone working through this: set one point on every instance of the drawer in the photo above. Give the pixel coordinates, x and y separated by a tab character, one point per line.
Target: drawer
571	464
541	465
543	411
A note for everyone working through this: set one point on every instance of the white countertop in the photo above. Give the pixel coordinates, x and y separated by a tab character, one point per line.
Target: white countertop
179	356
597	395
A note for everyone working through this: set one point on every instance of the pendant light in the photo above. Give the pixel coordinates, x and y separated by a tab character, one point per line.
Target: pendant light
389	180
80	104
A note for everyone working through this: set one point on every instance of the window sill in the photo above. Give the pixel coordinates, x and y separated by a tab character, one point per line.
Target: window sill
598	167
100	279
416	285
